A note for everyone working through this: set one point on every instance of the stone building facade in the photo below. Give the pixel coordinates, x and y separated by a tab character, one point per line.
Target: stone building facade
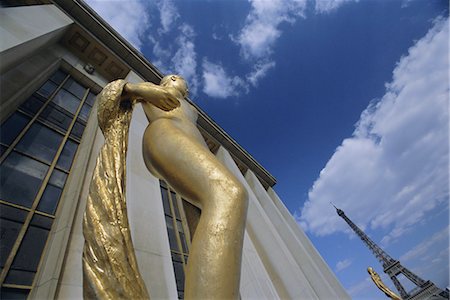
55	56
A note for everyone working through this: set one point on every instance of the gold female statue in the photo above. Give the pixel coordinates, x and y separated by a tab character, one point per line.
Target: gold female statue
380	284
174	150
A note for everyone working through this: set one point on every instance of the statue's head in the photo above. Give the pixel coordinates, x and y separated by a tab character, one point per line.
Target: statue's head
177	82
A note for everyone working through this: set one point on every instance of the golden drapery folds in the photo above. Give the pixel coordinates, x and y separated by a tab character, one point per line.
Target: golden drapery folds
380	284
110	269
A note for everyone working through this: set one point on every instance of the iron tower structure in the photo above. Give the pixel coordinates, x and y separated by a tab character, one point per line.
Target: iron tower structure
424	289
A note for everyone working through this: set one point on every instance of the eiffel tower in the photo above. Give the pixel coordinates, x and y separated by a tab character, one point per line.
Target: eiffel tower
393	268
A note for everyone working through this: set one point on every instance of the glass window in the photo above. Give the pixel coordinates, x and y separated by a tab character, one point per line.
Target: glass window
49	200
67	101
165	198
13	294
53	116
20	179
67	155
28	256
11	220
91	98
40	142
171	233
77	130
11	128
175	206
58	77
84	113
75	88
47	89
33	104
2	149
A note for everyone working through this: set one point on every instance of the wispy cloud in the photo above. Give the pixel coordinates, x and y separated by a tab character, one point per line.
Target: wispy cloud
426	246
343	264
129	18
217	83
328	6
259	71
168	15
394	169
261	29
180	56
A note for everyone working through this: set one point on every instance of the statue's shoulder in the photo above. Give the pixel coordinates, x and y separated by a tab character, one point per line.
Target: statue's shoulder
110	106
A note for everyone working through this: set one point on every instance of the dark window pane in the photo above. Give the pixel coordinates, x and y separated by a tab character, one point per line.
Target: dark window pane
67	101
50	199
77	130
13	294
179	275
42	222
3	149
165	199
183	243
40	142
58	76
12	127
84	113
47	89
32	105
171	233
30	251
180	295
20	277
66	158
11	220
91	98
20	179
175	205
58	178
75	88
54	116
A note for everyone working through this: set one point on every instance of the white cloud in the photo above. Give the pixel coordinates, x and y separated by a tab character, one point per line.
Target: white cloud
425	247
259	71
261	29
129	18
343	264
217	83
328	6
185	59
394	169
168	15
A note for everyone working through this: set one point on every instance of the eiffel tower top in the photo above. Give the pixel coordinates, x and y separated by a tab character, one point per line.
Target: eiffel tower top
424	289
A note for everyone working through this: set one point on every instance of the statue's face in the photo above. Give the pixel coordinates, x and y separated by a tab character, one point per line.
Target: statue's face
177	82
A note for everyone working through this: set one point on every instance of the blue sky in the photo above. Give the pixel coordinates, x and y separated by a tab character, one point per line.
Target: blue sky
341	100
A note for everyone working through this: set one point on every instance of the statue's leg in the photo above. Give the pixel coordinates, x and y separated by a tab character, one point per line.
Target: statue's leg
213	271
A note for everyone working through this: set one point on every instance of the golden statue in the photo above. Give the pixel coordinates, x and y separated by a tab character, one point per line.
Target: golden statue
175	151
380	284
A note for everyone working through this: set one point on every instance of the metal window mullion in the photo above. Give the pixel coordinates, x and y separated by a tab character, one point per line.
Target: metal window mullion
14	205
27	222
17	286
25	129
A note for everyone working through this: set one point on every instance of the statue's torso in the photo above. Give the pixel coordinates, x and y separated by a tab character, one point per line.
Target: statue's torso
183	117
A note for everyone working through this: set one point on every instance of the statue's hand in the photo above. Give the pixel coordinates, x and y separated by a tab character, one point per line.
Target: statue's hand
167	101
162	97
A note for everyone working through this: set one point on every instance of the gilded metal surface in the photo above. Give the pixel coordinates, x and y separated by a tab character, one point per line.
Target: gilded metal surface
380	284
109	263
175	151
